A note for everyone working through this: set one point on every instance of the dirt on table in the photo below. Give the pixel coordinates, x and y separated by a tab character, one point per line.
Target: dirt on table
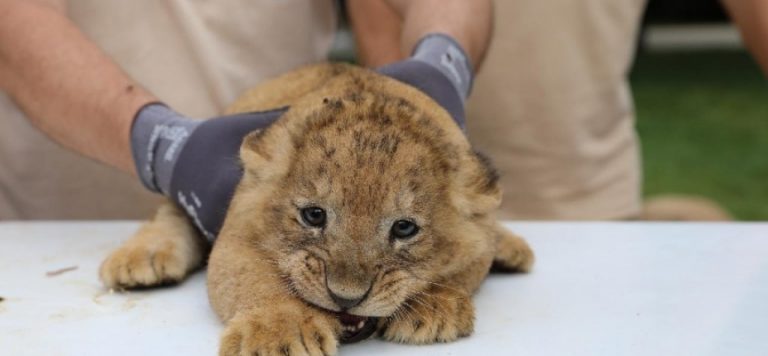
60	271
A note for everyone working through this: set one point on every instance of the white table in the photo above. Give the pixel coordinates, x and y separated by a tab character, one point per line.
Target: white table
597	289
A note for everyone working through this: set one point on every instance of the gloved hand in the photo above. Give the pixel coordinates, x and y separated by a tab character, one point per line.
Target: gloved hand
194	162
438	67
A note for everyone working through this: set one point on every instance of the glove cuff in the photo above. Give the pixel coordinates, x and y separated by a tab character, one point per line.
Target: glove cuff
157	136
446	55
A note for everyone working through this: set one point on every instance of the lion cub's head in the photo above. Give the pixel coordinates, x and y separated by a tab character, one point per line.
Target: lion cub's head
363	195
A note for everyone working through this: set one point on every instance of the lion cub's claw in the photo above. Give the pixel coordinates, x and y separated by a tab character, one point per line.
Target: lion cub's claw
144	266
438	317
265	332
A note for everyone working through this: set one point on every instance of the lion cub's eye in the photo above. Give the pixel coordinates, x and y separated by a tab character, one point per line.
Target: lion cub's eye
403	229
313	216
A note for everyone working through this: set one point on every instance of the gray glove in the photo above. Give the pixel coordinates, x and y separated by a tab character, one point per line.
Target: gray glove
195	163
440	68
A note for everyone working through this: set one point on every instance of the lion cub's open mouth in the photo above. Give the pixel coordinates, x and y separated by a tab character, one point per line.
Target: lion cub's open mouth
355	327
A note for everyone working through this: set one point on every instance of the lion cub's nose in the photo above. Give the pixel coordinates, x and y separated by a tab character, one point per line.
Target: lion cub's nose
346	303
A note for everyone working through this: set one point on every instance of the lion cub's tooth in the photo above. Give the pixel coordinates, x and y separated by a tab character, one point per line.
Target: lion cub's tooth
360	324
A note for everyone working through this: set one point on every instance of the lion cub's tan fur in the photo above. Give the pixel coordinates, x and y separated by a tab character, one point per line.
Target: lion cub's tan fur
369	150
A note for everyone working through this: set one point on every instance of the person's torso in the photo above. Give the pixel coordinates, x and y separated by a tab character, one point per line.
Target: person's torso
552	106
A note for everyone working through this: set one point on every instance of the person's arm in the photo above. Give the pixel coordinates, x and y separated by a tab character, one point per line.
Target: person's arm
388	30
751	16
66	86
444	40
69	89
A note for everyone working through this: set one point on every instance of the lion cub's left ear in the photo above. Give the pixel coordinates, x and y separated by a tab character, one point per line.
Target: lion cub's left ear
478	185
266	155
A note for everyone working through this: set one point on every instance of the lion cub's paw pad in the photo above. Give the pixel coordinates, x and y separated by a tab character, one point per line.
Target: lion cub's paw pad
440	319
255	335
143	266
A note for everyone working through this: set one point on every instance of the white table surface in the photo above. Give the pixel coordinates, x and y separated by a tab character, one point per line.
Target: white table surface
597	289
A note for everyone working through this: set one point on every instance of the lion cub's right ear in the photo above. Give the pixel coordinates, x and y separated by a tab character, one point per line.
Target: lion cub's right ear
266	155
478	182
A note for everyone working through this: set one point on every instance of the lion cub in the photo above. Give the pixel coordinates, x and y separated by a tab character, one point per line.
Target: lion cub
363	209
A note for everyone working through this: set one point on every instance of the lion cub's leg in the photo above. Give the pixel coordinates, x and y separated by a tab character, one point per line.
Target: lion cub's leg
262	315
440	314
284	327
164	250
444	311
512	252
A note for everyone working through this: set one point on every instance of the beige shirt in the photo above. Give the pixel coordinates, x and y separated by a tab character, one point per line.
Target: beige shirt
552	107
196	56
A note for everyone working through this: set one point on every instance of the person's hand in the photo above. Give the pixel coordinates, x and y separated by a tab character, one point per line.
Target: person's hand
440	68
195	163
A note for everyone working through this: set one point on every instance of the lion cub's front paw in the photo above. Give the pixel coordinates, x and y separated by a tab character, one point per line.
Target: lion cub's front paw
280	330
440	315
145	265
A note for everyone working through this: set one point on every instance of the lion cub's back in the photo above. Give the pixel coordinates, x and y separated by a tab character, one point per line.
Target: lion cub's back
287	88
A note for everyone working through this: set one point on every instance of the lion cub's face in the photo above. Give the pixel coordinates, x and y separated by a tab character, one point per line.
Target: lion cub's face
363	215
357	212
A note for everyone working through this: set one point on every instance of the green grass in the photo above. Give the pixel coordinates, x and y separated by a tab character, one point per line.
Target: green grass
703	121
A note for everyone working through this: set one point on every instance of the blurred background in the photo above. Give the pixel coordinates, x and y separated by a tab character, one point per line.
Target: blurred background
702	108
701	103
